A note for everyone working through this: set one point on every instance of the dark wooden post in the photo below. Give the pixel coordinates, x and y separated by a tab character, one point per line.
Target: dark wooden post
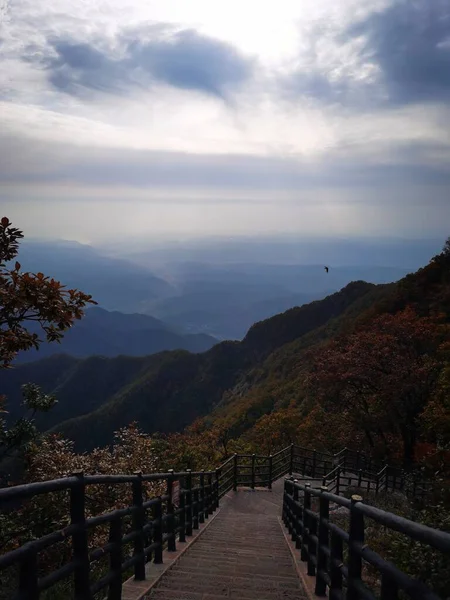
188	502
182	518
138	526
336	564
195	508
377	484
171	539
323	545
338	480
291	460
306	505
295	527
216	489
158	532
28	576
82	587
210	492
253	471
283	510
356	535
235	472
115	559
389	588
358	460
270	471
314	462
201	517
297	516
359	477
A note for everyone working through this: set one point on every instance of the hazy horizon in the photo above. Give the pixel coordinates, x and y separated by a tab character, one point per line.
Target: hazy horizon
188	119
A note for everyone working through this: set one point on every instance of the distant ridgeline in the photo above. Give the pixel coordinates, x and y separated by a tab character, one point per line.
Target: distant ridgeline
233	384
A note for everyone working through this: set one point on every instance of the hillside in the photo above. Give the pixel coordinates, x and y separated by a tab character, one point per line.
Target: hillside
167	391
110	334
234	382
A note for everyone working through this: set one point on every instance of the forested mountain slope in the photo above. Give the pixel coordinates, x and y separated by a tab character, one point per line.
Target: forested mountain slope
166	391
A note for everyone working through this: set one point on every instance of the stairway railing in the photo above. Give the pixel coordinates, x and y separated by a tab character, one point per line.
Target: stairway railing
321	544
178	504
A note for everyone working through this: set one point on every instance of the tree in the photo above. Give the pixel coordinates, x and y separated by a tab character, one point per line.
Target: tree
29	298
382	377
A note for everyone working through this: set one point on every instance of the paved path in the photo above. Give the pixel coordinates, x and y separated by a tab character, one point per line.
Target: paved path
241	555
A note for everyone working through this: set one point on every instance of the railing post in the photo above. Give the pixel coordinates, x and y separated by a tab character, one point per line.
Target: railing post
195	508
338	480
291	460
171	543
201	517
336	564
314	461
138	526
82	587
322	545
305	536
188	502
294	532
210	495
216	489
158	532
377	484
297	516
253	471
270	471
356	541
358	460
359	477
389	588
235	472
28	576
182	518
115	559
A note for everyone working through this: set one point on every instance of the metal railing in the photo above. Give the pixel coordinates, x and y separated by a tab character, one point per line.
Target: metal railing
321	544
155	523
184	500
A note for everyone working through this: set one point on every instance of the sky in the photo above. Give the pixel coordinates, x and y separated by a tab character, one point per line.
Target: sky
152	119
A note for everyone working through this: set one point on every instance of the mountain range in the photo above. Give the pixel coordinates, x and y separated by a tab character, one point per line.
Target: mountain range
111	333
219	299
167	391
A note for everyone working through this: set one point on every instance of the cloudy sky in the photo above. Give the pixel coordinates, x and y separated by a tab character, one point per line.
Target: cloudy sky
199	117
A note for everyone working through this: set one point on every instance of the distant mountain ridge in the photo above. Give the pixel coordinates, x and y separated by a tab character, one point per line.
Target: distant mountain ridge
110	334
166	391
116	284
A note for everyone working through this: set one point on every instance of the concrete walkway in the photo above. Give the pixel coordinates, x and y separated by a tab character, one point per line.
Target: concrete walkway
242	554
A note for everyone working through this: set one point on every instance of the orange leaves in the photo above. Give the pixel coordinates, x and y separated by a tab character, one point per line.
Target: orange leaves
383	375
28	297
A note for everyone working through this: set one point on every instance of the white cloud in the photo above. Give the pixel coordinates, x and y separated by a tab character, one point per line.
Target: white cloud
282	117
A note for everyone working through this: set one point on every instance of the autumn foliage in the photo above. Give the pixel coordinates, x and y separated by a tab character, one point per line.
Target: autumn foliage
380	379
31	297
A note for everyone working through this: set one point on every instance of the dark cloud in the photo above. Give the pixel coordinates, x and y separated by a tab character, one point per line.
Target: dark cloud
188	60
183	59
78	67
410	42
406	49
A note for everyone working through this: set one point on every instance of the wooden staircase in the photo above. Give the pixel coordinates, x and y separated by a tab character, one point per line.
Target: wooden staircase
242	554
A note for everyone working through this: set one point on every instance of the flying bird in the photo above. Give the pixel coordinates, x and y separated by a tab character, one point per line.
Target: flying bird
326	269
